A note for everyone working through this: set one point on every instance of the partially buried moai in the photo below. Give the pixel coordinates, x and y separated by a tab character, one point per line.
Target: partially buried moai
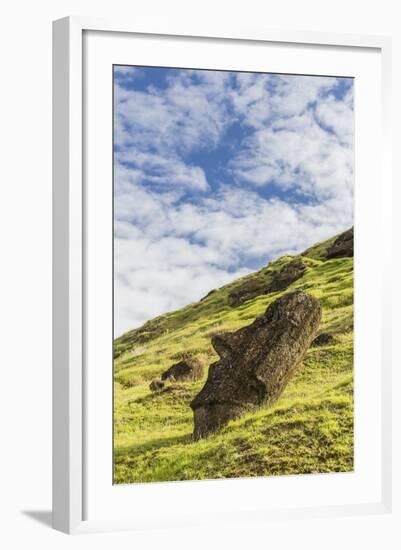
256	362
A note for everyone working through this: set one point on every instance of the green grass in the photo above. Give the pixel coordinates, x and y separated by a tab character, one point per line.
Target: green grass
309	430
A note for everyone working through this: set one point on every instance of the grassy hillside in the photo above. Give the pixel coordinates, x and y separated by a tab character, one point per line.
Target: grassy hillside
309	430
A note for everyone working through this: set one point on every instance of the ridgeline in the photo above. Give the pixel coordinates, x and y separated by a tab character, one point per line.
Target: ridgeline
308	430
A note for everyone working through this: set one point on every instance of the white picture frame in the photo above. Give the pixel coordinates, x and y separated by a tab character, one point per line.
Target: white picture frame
70	257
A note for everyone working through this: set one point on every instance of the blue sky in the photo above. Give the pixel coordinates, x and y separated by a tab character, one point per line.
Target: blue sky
216	173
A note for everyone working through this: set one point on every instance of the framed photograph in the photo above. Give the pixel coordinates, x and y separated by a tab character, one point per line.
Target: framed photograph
220	322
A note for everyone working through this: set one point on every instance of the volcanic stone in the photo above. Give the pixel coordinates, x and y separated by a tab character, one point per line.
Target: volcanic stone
291	272
190	369
256	362
156	385
343	246
324	339
257	286
248	290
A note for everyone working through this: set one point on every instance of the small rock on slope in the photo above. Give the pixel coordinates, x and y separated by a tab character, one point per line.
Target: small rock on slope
190	369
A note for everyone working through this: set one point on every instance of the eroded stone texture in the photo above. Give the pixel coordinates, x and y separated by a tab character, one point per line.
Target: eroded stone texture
191	369
343	246
267	282
324	339
156	385
291	272
256	362
248	290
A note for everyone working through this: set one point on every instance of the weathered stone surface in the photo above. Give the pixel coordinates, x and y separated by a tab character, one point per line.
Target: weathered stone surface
248	290
156	385
190	369
324	339
291	272
343	246
256	362
269	282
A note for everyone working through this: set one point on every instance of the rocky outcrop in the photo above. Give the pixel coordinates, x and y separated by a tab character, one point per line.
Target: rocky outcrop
343	246
184	371
248	290
156	385
269	282
190	369
256	362
324	339
291	272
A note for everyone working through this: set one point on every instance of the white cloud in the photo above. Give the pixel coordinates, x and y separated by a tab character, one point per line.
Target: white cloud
126	73
165	171
155	276
208	245
185	115
297	153
293	94
337	115
177	235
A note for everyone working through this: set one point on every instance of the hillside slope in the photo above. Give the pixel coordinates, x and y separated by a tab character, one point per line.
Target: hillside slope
310	429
